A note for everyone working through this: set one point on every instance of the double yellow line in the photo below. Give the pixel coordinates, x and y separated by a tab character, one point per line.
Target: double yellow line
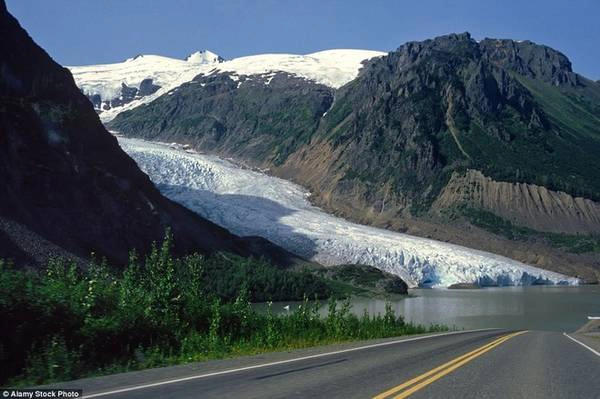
417	383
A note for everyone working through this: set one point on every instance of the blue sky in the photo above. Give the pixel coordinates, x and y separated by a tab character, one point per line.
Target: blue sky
77	32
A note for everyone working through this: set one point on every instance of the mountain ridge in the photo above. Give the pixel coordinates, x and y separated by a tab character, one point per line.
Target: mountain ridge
117	86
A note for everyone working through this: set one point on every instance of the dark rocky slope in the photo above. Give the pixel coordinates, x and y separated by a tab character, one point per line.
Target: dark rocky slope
261	118
387	148
66	187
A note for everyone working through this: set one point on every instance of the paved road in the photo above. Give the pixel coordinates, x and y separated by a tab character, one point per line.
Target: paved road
480	364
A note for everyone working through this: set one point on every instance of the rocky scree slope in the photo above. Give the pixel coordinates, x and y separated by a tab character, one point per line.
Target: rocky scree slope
66	187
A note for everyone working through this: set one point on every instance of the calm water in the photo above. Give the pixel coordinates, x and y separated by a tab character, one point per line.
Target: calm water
541	307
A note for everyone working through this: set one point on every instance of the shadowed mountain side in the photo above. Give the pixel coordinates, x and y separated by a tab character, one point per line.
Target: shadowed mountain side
10	249
64	178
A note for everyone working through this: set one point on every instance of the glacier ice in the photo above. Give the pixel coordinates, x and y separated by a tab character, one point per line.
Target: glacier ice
251	203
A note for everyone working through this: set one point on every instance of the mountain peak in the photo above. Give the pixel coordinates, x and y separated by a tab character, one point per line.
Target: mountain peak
530	59
204	57
456	36
524	57
136	57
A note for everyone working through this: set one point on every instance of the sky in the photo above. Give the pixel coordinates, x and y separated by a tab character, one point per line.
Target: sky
81	32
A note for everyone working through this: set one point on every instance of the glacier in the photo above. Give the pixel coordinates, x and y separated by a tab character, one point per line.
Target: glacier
251	203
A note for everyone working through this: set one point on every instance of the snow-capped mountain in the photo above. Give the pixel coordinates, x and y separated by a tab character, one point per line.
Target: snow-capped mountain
113	88
250	203
333	68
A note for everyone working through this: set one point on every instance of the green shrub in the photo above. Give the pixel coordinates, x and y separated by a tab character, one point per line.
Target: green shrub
62	323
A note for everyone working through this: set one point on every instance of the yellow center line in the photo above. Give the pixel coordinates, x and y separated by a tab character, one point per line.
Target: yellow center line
444	369
451	368
435	370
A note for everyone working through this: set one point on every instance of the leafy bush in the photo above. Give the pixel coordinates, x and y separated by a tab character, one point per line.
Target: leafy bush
64	323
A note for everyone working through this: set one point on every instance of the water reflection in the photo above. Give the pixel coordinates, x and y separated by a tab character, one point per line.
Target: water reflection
556	308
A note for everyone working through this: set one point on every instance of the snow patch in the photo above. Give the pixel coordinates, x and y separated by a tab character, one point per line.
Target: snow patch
203	57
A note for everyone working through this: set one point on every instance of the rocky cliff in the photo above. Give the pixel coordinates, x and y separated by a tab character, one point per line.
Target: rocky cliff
531	60
441	105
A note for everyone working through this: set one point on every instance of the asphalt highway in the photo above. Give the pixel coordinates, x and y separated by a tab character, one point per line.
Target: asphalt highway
478	364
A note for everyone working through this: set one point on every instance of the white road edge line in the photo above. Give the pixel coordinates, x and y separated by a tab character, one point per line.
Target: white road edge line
257	366
582	344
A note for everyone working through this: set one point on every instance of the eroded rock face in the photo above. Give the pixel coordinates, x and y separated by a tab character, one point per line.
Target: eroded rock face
527	205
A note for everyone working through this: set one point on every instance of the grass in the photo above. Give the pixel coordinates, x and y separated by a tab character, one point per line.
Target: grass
62	323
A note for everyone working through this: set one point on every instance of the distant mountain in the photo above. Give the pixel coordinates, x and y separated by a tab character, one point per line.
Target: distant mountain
66	187
115	87
492	144
261	107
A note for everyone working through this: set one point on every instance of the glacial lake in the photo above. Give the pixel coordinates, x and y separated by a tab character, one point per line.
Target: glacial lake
555	308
